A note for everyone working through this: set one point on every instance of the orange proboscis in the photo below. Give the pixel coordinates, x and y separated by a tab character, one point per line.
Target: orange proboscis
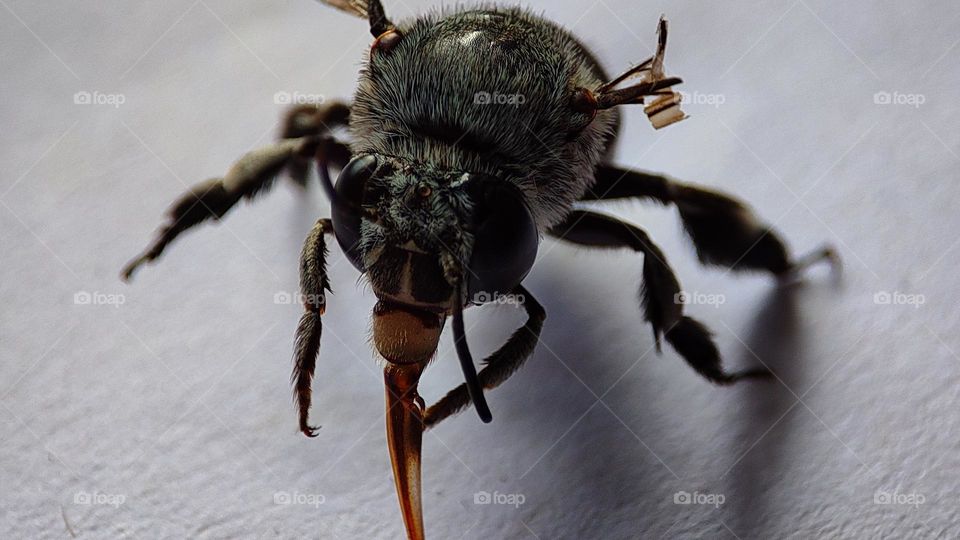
407	338
404	439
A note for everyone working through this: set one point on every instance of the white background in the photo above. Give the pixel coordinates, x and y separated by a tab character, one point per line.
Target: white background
177	402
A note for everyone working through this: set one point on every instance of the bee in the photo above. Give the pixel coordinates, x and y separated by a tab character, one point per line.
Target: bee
473	133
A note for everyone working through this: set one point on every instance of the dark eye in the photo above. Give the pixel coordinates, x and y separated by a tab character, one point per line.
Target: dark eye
351	186
505	239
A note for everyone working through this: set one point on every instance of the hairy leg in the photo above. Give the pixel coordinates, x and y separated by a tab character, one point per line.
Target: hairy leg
311	120
313	288
724	231
306	135
250	175
500	365
660	294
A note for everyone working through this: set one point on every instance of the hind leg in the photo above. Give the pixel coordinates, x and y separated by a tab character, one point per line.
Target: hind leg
724	231
660	295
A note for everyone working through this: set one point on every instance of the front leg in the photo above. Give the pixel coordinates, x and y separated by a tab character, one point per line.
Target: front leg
500	365
660	293
313	287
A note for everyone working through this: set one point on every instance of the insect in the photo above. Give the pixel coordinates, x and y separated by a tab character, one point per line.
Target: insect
473	133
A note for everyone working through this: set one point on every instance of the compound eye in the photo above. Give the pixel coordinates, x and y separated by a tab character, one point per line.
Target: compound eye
505	239
352	187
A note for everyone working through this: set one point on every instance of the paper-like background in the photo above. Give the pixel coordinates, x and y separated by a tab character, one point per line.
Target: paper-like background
176	404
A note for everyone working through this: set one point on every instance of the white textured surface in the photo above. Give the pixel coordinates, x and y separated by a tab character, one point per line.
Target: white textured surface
178	400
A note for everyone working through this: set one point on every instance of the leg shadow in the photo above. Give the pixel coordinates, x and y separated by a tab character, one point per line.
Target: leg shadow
777	339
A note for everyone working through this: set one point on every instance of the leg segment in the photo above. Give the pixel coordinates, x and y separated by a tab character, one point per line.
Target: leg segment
500	365
253	173
724	231
660	294
311	120
313	288
306	135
